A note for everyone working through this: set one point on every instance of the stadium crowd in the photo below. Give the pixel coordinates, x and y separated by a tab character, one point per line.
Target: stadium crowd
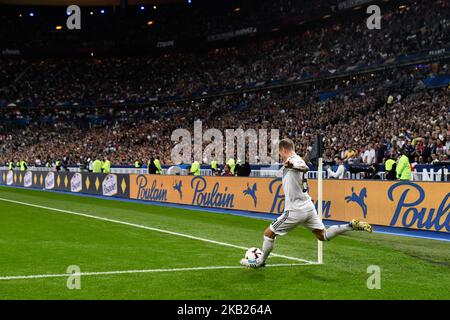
354	122
320	51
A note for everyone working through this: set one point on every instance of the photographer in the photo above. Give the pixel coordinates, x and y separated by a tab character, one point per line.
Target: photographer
365	171
151	167
340	171
243	169
372	173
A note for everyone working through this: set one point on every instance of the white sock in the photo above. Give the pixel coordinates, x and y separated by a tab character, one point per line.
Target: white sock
267	247
334	231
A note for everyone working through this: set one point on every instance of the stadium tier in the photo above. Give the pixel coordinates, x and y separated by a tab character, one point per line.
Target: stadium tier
356	118
324	48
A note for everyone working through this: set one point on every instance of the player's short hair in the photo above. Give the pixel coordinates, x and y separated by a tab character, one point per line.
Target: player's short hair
286	144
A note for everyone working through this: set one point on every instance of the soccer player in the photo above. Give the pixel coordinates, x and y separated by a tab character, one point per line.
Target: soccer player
299	209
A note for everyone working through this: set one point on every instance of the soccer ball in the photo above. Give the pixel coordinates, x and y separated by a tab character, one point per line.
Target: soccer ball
253	254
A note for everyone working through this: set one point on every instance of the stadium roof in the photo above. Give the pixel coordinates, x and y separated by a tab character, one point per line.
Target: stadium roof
86	2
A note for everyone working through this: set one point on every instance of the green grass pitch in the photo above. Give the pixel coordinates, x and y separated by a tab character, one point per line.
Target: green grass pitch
37	241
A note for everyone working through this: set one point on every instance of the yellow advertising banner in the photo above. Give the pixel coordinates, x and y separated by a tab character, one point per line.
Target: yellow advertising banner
420	205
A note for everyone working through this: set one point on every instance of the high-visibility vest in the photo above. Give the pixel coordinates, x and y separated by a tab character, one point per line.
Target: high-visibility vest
214	165
403	168
195	168
97	166
11	165
107	166
158	166
388	165
390	100
23	165
137	164
232	164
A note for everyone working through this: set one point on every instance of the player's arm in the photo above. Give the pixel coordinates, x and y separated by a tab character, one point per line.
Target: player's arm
297	165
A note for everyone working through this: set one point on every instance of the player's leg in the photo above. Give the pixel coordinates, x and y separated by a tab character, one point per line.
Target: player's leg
331	232
268	243
354	225
281	226
323	234
286	222
267	247
315	224
320	234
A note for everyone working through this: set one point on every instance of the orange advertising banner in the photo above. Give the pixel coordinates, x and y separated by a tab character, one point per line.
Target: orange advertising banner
416	205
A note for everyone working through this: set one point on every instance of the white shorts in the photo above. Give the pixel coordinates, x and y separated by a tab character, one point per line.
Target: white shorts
292	218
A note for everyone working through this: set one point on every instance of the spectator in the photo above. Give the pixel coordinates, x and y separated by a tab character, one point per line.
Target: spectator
227	171
369	156
340	171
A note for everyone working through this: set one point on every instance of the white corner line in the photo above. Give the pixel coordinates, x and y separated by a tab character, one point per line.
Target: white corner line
224	244
105	273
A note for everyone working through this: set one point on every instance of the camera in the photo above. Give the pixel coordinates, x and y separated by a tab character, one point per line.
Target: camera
369	172
360	169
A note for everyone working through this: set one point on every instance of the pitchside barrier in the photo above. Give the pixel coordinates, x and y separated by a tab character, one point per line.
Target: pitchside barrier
406	204
117	185
420	172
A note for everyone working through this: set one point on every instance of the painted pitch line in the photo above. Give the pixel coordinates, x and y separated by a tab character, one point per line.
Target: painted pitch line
105	273
224	244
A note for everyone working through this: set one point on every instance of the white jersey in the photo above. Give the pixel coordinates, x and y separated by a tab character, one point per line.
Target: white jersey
295	186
